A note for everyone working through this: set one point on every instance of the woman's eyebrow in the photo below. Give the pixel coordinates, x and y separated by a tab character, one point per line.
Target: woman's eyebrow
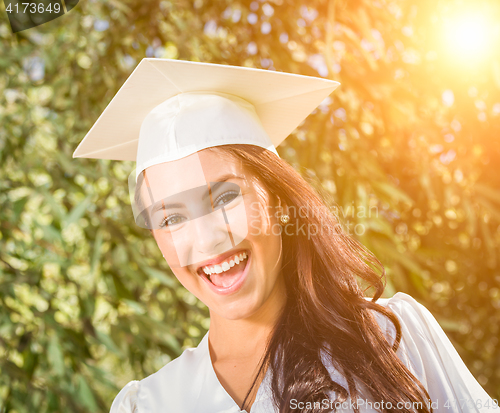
227	176
159	206
215	184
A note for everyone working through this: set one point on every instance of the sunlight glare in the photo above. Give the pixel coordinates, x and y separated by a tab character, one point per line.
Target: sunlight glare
469	36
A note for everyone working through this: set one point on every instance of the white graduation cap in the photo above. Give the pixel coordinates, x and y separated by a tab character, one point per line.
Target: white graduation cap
168	109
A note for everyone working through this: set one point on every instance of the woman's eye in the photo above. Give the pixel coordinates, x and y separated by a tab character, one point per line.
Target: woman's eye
225	198
172	220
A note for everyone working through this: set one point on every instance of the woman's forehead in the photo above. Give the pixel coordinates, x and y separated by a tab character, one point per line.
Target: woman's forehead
193	171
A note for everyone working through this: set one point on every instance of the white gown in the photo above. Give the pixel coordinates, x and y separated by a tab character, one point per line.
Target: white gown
189	384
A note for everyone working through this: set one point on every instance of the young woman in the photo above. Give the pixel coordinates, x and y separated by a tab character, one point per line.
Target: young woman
291	329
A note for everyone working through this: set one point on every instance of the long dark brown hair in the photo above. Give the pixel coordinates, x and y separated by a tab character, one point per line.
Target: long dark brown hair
326	312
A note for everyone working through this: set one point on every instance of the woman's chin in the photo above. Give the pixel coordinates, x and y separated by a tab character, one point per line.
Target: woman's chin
237	310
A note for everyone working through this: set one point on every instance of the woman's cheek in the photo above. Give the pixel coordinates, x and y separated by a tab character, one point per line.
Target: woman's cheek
186	279
258	219
165	244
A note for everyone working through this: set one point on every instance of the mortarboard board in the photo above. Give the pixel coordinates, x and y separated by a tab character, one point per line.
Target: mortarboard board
160	90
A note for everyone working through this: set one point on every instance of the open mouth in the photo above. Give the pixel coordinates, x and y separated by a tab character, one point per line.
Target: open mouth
227	272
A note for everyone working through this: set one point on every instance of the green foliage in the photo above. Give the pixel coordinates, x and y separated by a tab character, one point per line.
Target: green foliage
88	303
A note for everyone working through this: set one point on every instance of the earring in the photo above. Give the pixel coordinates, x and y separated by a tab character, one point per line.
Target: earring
284	219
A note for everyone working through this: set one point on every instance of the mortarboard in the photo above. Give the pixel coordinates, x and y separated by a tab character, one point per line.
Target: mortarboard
150	119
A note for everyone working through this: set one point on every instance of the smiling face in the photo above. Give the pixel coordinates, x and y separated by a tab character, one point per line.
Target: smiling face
215	225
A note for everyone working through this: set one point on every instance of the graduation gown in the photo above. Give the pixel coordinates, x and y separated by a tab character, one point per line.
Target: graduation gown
189	384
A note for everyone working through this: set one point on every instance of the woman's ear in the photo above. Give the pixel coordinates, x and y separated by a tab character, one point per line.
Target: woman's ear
281	207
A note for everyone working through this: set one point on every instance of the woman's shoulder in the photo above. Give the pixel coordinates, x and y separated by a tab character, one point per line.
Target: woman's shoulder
402	304
429	354
126	400
410	313
421	335
165	387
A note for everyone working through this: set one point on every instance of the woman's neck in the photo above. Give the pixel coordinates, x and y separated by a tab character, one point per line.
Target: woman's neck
238	346
246	338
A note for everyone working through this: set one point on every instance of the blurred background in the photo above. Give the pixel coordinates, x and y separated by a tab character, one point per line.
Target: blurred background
412	136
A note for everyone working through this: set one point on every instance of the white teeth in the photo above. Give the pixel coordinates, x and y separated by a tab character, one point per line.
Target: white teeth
226	265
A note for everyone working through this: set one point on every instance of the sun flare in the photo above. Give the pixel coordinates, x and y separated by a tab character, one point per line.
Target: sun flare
470	36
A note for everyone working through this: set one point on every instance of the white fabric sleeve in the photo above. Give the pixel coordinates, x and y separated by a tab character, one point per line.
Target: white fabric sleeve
126	400
428	353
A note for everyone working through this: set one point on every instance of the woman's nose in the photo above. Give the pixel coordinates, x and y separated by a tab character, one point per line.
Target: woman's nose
211	234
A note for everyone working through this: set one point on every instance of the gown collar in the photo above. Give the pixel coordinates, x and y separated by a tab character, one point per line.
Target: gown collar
189	384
